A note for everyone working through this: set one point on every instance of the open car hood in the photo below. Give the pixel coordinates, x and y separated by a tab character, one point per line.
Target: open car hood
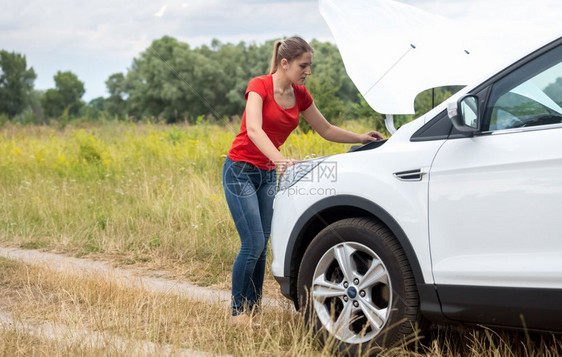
392	51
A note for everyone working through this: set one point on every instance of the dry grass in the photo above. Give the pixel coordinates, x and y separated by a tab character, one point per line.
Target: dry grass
16	342
99	304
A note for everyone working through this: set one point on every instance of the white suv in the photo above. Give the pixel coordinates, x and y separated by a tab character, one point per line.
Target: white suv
457	218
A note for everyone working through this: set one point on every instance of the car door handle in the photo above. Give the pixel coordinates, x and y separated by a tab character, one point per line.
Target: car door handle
410	175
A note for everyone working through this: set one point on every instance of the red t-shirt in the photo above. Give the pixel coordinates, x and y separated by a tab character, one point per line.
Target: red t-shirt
277	122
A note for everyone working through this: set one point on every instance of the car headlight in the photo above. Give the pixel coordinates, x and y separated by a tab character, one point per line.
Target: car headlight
295	173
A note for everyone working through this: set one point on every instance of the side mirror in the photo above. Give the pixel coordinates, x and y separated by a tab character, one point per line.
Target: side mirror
464	114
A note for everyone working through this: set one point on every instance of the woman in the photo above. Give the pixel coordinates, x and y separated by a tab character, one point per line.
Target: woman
273	105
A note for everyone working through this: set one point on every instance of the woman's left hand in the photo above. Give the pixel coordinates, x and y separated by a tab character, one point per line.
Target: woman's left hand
370	136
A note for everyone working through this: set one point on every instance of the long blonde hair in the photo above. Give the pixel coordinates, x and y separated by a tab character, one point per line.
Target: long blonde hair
291	48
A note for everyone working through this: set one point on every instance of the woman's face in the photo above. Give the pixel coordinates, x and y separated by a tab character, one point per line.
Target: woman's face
298	69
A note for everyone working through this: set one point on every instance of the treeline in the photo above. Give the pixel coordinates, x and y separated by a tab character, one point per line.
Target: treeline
172	82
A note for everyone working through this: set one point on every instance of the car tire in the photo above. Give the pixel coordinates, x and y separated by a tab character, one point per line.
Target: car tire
357	289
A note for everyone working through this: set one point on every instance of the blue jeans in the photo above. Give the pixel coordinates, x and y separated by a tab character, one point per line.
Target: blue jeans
249	193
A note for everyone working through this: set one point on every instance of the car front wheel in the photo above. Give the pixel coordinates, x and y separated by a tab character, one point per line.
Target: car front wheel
356	286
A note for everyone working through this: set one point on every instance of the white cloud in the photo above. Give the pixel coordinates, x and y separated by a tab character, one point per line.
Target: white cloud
96	39
161	12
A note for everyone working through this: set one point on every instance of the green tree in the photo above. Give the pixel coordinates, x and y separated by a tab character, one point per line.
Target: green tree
66	95
71	90
158	80
172	81
232	61
52	103
97	103
35	110
327	63
16	83
94	109
253	60
116	103
428	99
363	110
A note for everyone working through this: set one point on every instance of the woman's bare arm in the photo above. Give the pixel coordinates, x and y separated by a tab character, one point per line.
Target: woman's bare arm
333	133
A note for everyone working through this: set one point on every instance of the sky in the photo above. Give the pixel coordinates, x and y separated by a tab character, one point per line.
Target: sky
95	39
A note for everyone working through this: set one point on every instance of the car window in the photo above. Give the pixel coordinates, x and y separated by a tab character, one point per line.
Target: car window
530	96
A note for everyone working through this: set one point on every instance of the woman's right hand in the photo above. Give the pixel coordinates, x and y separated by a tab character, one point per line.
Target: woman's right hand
370	136
284	164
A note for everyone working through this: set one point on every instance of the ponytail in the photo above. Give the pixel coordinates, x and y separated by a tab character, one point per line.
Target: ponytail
274	63
289	49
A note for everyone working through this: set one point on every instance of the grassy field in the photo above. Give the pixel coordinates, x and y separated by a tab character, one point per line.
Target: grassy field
151	196
148	195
